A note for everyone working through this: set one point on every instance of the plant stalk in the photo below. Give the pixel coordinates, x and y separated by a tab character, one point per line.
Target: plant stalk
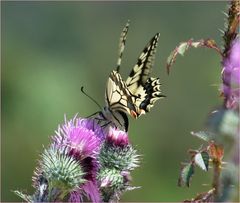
216	178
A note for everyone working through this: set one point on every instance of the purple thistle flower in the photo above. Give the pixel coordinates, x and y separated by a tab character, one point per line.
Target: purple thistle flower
75	196
231	75
83	139
117	137
84	162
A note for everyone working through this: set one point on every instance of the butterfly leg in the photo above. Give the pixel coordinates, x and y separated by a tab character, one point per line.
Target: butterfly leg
106	124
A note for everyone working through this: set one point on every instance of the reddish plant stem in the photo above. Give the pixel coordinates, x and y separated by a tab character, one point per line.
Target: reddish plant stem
216	178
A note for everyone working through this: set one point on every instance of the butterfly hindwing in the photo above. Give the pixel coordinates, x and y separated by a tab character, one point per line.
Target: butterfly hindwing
152	93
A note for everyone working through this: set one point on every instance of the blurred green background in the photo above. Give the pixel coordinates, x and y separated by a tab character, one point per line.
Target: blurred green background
51	49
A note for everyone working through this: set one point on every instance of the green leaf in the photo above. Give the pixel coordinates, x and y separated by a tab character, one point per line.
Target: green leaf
204	135
186	174
202	160
184	46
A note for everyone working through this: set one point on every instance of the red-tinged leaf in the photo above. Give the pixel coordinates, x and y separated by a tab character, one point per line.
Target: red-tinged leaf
186	175
210	43
184	46
216	152
203	197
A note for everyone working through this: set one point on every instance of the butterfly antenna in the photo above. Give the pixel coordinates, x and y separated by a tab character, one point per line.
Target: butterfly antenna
90	98
122	45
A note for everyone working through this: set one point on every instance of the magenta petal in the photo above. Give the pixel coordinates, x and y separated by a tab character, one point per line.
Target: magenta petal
75	197
117	137
235	53
231	76
236	74
91	190
83	137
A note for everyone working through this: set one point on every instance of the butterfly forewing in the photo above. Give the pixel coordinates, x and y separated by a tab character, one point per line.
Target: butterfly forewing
117	94
122	43
140	72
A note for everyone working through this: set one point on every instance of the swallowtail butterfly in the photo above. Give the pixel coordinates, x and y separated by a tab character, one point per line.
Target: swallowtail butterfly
138	93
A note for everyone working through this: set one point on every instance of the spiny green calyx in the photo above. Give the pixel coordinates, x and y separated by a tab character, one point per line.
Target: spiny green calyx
121	158
111	178
61	170
112	184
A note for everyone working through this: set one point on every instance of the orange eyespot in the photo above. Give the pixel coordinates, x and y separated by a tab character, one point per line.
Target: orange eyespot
133	114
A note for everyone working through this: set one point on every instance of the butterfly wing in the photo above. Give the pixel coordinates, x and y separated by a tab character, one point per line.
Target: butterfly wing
141	71
139	93
119	102
122	43
145	90
150	94
118	97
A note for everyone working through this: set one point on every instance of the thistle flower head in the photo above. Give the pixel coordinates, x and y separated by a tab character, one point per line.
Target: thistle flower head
231	75
71	162
117	158
83	139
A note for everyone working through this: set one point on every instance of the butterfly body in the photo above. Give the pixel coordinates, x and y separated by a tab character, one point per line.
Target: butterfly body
138	93
118	118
